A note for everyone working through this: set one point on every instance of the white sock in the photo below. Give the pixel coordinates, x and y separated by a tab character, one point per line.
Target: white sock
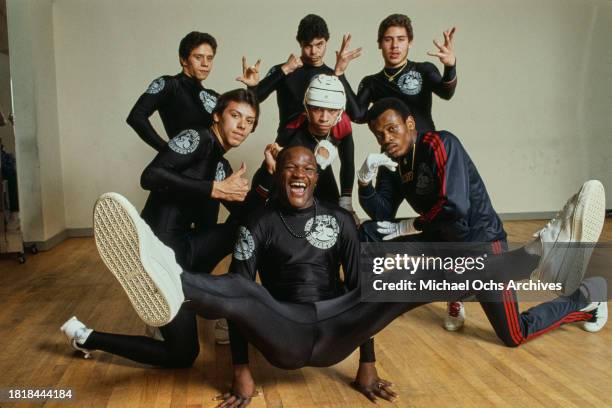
82	335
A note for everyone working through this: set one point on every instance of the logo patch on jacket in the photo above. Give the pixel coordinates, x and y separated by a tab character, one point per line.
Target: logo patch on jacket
324	232
156	86
209	101
410	83
245	246
185	142
220	172
425	180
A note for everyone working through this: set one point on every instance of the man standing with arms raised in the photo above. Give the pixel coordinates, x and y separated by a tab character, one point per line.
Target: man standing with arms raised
181	100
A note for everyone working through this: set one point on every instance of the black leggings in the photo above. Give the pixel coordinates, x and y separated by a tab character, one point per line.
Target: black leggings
323	333
180	347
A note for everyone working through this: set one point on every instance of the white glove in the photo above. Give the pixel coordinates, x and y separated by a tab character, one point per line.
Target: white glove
346	203
371	164
392	230
332	153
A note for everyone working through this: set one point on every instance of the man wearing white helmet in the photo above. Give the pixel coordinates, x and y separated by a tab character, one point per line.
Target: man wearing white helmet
324	102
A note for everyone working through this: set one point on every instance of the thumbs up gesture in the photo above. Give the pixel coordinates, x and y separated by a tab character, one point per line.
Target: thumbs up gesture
233	188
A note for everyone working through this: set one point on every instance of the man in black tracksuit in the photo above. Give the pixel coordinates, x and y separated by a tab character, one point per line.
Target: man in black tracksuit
435	175
181	100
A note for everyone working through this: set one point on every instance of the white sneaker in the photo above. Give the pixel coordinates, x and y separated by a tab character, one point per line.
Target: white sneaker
580	221
77	334
143	265
455	316
596	291
221	332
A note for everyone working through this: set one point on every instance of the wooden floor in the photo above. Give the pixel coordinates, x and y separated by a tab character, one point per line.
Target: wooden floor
429	366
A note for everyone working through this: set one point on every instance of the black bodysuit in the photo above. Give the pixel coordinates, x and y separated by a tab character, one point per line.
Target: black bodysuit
414	86
182	103
298	258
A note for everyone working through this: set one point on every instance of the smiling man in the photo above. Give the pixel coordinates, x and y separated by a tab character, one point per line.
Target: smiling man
181	100
297	245
324	102
296	237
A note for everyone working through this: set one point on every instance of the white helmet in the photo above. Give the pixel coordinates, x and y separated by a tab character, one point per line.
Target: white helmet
325	91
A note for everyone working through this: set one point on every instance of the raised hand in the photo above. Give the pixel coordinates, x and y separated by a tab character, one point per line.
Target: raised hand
270	153
233	188
325	153
344	56
370	166
292	64
250	73
445	52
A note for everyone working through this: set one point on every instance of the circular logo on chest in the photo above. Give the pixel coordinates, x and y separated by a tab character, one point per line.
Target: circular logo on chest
324	232
185	142
410	83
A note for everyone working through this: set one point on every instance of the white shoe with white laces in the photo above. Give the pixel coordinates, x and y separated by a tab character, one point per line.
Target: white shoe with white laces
580	221
143	265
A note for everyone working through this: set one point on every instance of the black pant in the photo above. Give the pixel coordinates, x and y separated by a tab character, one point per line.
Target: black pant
199	249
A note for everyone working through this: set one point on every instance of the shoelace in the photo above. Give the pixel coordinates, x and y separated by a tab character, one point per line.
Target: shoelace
454	308
554	219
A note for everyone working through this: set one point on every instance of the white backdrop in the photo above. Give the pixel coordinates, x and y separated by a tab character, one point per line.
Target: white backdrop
531	104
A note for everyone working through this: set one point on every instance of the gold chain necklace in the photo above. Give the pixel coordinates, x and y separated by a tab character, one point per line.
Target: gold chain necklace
392	77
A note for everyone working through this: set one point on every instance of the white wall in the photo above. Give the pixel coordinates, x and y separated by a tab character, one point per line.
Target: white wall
531	104
37	141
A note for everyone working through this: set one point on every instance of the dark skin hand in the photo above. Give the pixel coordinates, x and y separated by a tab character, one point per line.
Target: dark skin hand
243	389
371	385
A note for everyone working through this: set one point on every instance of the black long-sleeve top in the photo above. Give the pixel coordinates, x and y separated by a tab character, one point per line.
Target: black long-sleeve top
298	270
182	103
445	189
414	86
180	179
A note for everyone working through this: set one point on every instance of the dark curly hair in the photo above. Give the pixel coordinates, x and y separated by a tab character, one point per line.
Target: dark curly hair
193	40
395	20
385	104
238	95
311	27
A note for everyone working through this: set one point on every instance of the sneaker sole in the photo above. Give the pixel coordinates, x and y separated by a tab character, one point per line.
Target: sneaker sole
587	224
150	290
